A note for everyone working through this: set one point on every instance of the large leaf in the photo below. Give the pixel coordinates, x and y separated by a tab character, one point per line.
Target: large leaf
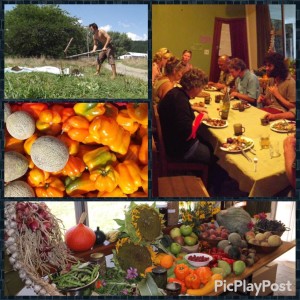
148	287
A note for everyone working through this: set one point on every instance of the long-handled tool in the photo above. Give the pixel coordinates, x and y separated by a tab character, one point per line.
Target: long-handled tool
65	51
82	54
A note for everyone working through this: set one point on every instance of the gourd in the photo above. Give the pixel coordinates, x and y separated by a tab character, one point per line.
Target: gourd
7	111
49	153
80	237
15	165
17	189
20	125
235	219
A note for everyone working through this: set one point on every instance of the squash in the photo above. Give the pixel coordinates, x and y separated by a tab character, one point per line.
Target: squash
20	125
7	111
18	189
235	219
15	165
49	153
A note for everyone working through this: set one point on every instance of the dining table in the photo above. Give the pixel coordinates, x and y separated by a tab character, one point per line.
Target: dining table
261	175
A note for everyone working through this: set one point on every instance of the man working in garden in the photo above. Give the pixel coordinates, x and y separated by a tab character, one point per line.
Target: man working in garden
108	50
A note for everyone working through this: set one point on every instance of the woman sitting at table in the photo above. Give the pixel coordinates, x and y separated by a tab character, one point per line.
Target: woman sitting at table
281	93
159	61
177	119
246	83
173	72
185	60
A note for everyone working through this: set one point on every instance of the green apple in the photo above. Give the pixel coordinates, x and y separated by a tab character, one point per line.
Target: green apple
175	248
175	232
194	235
190	241
186	230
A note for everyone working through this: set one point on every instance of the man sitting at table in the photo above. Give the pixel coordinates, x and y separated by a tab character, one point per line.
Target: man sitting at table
225	79
246	83
177	119
281	93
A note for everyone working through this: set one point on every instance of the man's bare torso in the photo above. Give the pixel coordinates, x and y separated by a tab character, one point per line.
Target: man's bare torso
100	36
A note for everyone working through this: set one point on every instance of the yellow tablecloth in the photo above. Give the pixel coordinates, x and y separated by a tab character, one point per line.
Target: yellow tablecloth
270	177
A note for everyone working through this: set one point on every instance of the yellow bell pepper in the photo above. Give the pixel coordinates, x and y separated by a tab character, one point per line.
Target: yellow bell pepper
144	176
110	110
99	157
106	179
116	193
126	121
49	122
37	177
108	132
53	187
143	153
89	110
28	143
138	112
72	145
132	153
130	176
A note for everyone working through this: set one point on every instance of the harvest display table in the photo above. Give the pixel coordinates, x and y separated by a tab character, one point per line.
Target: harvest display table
264	259
270	177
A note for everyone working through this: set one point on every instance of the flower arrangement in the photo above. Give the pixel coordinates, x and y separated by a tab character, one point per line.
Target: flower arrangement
195	213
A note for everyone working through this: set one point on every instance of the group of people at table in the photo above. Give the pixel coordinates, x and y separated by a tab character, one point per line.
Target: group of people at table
175	81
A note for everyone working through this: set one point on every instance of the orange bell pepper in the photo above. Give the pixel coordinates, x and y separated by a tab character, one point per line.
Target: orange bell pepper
130	176
106	179
89	110
132	153
72	145
143	153
83	149
127	122
80	185
37	177
138	112
100	157
181	271
74	167
13	144
77	128
144	176
58	108
192	281
204	273
108	132
110	110
49	122
34	108
53	187
28	143
116	193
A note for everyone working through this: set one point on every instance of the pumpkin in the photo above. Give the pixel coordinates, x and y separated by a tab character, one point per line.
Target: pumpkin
20	125
80	237
17	189
15	165
49	153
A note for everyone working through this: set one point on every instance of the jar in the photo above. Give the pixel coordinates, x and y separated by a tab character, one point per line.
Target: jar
173	289
99	258
159	275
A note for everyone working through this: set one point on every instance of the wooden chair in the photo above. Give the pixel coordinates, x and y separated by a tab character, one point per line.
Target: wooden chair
167	165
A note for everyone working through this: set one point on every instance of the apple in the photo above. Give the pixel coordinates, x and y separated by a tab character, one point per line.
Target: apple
175	232
179	240
175	248
193	234
186	230
190	241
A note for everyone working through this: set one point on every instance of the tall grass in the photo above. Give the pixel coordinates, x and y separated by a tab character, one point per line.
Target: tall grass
44	85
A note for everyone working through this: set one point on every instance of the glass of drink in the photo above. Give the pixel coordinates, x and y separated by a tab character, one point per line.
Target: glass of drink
274	149
265	141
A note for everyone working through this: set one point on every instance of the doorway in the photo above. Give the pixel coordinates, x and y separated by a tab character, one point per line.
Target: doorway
230	37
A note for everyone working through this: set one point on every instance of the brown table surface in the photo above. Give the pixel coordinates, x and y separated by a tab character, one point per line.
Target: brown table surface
264	259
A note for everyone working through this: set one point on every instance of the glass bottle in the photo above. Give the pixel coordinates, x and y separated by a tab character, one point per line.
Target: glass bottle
225	105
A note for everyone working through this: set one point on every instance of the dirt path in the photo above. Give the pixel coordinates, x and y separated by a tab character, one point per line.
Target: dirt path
125	70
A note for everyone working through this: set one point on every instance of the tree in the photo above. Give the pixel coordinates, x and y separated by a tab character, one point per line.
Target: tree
121	42
42	30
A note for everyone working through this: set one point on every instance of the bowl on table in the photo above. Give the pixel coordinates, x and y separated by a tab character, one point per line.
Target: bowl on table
194	259
263	249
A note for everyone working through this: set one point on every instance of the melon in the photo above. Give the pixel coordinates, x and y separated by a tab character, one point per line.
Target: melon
15	165
49	153
7	111
18	189
20	125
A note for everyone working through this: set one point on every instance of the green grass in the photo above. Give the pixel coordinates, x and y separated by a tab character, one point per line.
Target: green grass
44	85
140	63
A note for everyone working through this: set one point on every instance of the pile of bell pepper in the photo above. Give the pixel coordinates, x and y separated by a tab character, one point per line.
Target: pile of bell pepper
107	143
196	282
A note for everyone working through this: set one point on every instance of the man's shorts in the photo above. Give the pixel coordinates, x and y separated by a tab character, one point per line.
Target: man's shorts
109	54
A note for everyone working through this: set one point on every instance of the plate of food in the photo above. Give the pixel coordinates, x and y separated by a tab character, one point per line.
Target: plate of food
210	88
236	105
215	123
237	144
283	126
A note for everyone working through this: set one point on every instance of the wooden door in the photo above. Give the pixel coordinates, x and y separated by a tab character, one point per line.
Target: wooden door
238	43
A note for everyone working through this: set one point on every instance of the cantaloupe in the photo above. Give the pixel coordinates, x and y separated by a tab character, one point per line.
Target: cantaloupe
20	125
7	111
49	153
18	189
15	165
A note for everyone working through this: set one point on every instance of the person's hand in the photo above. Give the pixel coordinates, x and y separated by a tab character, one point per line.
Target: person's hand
270	117
274	91
199	109
205	116
104	49
234	94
